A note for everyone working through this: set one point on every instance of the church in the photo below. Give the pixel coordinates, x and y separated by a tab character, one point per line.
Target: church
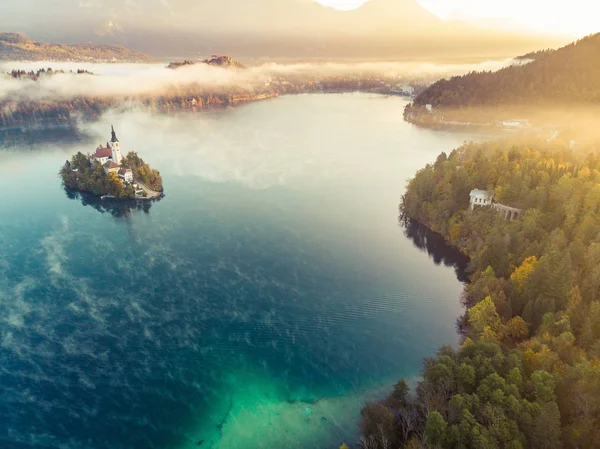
110	157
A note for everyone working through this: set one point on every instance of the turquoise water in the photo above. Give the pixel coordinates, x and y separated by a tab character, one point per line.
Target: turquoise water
258	304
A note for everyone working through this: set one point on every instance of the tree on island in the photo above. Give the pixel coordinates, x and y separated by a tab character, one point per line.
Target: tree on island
84	175
142	171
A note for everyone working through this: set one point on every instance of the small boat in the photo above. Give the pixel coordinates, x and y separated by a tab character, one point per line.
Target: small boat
106	197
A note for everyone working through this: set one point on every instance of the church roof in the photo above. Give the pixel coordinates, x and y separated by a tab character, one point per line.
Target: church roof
102	152
110	164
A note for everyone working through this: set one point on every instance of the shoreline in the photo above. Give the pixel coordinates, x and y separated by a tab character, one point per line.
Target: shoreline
262	413
241	100
106	198
519	120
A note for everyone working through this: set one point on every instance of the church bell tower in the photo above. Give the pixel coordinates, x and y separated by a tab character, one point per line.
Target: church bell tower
115	147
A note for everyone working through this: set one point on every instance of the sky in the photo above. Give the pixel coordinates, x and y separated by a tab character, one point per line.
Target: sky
372	29
573	17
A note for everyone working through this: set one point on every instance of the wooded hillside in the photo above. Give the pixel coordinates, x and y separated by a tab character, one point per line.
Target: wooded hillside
16	47
528	372
569	75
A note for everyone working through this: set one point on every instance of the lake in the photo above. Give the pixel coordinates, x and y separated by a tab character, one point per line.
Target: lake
258	305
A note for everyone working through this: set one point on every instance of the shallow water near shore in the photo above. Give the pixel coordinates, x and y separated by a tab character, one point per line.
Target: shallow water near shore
259	304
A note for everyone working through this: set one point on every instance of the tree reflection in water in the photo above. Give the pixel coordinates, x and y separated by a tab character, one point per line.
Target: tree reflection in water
117	208
40	138
434	244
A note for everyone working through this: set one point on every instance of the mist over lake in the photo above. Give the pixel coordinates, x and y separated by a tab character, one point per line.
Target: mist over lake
131	80
257	305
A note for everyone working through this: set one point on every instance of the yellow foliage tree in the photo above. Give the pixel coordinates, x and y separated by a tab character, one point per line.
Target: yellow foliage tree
490	336
413	443
521	274
117	188
485	320
455	232
517	328
466	343
538	356
574	303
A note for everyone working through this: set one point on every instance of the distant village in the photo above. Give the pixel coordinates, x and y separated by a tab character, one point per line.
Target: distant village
383	83
28	113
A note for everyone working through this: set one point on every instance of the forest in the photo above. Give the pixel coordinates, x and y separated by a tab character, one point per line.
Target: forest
527	374
24	114
67	112
567	76
35	75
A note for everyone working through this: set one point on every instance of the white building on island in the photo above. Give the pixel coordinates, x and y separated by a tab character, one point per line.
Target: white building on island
102	155
115	147
126	174
111	158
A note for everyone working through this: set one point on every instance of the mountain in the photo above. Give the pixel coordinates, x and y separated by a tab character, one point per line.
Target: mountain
16	47
567	76
114	17
257	28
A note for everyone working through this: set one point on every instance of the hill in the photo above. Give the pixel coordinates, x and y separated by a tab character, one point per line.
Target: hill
528	371
567	76
16	47
536	54
220	61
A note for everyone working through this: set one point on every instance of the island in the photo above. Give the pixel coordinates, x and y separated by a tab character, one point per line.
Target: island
107	173
214	60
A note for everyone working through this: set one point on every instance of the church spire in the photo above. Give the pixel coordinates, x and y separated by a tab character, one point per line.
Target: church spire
114	135
115	147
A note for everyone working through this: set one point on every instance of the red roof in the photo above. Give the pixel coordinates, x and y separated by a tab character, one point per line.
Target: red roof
102	152
124	170
110	164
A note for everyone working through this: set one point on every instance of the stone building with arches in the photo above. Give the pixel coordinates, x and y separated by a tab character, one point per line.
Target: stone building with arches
485	198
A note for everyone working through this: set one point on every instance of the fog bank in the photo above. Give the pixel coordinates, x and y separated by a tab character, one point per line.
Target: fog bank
127	80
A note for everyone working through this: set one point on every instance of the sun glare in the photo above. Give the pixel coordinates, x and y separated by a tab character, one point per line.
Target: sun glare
578	18
344	5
